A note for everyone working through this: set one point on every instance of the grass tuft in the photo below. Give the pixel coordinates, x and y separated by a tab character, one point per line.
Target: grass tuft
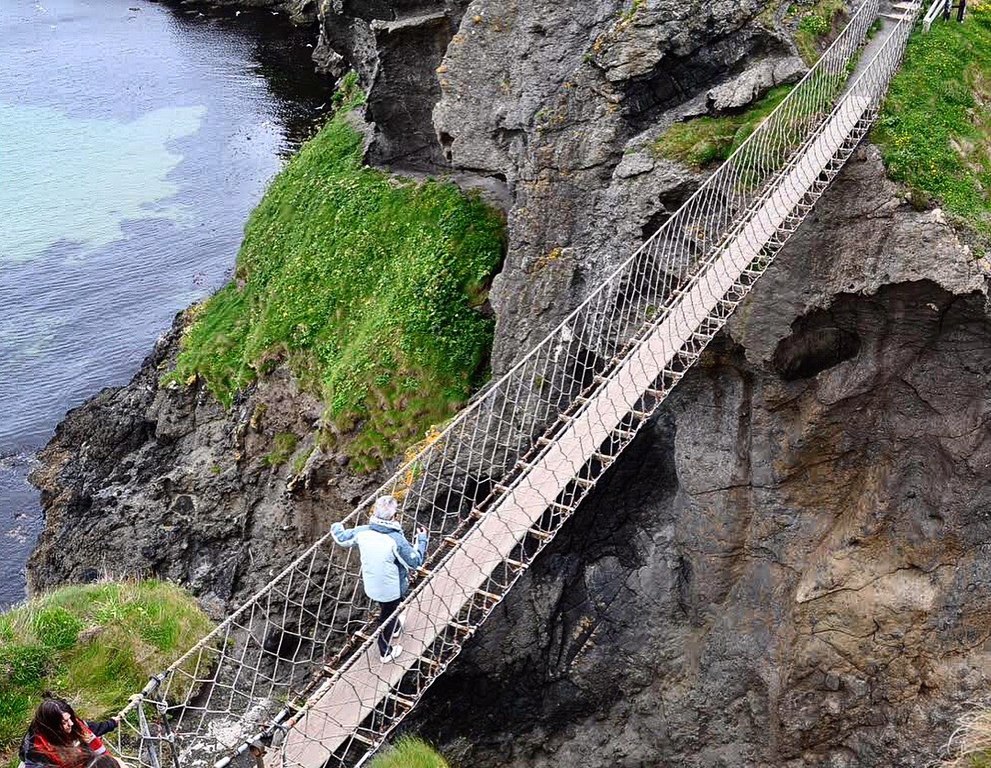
285	446
935	128
706	141
95	644
816	27
970	746
56	627
366	285
299	463
409	752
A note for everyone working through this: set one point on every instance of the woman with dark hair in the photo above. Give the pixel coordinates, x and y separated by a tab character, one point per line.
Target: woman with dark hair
59	738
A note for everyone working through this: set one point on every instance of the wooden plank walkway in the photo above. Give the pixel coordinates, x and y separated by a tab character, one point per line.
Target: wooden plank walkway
338	708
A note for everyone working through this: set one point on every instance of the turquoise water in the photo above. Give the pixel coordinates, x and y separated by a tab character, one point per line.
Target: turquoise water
92	174
135	138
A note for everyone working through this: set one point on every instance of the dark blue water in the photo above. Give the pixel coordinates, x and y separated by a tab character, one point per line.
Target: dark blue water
135	138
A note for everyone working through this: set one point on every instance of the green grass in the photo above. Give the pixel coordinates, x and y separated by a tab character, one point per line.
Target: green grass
409	752
299	463
815	27
935	128
285	446
366	285
705	141
630	13
95	644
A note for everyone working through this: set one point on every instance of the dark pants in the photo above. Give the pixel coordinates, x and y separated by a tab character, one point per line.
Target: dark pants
385	610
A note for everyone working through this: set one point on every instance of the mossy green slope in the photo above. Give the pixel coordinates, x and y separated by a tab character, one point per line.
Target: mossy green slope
367	285
935	128
409	752
705	141
95	644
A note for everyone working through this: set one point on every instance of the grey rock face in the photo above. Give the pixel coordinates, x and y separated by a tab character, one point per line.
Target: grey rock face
395	46
754	82
563	100
404	88
861	236
790	567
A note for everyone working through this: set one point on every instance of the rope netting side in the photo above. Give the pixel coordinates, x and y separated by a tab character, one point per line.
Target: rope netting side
298	662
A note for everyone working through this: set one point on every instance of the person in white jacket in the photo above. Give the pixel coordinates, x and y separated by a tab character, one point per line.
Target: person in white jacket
386	561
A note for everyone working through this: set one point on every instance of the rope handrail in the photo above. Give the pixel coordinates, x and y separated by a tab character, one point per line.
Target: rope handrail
252	677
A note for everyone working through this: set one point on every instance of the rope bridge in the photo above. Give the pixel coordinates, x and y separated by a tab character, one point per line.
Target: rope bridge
295	671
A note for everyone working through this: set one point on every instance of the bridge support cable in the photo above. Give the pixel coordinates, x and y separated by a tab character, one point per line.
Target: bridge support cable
296	672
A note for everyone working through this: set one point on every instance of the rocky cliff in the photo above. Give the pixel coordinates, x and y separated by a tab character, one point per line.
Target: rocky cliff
561	103
299	11
167	482
789	568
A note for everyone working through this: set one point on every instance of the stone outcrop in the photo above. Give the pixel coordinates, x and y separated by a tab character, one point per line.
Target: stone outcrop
299	11
754	82
395	46
563	100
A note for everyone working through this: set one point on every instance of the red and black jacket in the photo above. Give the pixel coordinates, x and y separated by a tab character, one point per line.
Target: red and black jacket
38	752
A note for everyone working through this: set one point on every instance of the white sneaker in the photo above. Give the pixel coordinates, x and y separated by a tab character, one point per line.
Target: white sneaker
394	653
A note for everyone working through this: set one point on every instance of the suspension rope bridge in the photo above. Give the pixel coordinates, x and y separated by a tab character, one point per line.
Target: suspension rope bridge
295	671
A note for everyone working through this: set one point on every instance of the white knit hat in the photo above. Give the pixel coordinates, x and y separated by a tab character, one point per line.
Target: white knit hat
385	508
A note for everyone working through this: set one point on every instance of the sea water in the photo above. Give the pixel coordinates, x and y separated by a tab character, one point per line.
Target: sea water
135	138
